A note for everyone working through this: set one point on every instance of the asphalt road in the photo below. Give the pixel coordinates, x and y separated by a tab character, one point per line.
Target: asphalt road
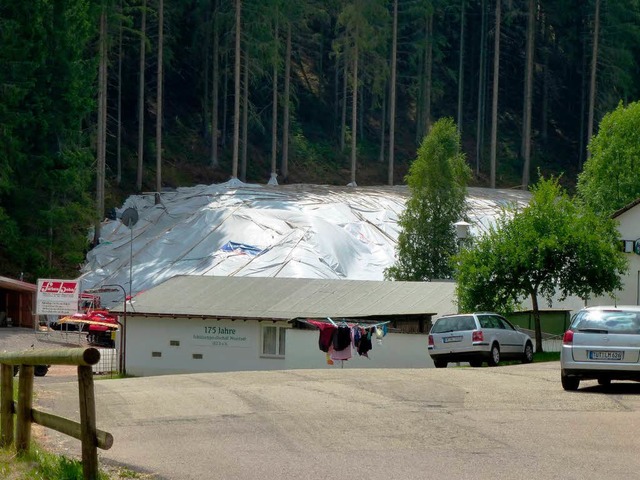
509	422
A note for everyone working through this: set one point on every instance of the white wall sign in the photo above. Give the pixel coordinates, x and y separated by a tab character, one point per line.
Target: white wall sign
216	335
57	297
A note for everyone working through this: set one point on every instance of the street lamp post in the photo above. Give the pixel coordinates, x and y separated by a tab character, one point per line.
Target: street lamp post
462	232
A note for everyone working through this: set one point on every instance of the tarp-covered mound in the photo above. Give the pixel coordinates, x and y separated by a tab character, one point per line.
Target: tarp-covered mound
300	231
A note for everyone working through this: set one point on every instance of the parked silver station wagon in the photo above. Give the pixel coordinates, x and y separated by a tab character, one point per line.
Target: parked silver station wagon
602	343
476	338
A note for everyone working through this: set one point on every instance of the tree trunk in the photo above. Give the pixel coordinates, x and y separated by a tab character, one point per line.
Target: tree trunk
214	89
141	83
482	89
544	128
354	114
383	126
204	122
225	100
159	101
428	76
536	322
528	94
343	125
336	98
583	102
592	83
245	118
494	100
285	121
274	111
420	99
119	113
236	104
461	67
102	126
392	95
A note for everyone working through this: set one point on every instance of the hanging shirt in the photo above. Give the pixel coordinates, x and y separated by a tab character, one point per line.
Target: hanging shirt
326	334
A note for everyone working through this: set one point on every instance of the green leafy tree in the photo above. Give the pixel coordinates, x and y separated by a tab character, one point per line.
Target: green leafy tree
609	180
437	182
555	245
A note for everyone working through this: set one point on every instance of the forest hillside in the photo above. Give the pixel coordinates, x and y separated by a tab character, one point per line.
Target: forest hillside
100	100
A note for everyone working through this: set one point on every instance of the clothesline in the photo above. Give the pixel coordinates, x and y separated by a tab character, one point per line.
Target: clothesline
338	338
342	322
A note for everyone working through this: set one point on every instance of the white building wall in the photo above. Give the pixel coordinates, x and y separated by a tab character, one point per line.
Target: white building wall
144	336
232	346
629	228
398	350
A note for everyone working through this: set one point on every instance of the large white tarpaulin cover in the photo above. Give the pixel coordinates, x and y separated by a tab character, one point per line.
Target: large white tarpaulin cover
237	229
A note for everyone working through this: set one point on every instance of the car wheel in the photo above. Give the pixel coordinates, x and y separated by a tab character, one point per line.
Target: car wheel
16	369
569	383
527	356
440	363
494	359
475	363
604	381
40	370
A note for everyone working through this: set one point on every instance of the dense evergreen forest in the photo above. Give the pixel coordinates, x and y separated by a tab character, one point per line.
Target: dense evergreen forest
102	99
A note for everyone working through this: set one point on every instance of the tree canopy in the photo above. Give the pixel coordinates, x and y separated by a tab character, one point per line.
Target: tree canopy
437	182
554	246
610	178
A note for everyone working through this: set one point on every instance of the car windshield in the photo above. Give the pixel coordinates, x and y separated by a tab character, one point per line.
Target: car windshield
454	324
608	321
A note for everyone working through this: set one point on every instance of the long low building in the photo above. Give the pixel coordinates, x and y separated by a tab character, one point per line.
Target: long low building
217	324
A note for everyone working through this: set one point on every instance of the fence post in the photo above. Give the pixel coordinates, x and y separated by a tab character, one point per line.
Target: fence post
6	405
88	423
23	411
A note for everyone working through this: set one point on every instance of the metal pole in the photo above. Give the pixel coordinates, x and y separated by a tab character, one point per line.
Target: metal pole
130	264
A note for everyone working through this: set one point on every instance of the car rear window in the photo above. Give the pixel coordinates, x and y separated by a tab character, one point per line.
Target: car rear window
454	324
608	321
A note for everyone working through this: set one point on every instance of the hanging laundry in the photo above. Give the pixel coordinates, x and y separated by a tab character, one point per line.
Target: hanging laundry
329	361
327	332
357	334
344	354
364	345
336	339
342	338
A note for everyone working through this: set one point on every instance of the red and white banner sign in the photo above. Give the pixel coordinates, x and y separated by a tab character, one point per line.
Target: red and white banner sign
57	297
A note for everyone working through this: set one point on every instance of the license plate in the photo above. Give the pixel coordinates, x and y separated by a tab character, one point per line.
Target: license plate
452	339
595	355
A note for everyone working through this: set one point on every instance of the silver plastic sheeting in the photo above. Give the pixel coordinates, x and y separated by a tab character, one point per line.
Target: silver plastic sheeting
236	229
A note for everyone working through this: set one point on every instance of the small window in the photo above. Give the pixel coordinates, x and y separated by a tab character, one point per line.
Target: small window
174	343
505	324
197	356
489	321
454	324
156	354
273	341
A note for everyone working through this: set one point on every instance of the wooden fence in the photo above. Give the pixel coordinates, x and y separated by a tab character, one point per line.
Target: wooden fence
85	430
